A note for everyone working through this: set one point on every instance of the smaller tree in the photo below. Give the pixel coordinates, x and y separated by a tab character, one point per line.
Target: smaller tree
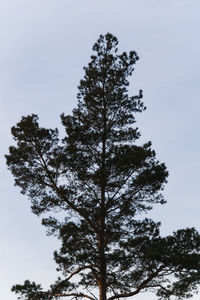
102	180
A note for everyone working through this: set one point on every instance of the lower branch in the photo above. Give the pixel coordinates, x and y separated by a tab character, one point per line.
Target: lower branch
92	266
80	295
160	286
140	287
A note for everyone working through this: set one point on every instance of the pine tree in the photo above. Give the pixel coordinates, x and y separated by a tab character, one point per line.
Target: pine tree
102	180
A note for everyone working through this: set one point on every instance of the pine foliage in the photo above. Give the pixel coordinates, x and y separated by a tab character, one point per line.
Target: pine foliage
102	180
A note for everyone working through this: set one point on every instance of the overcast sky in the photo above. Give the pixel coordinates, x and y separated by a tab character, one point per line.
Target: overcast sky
44	45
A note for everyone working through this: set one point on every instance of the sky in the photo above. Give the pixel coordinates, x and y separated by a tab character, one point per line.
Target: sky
44	45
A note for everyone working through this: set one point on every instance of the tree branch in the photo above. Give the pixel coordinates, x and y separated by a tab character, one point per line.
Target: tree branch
91	293
80	295
57	190
160	286
92	266
140	287
132	193
124	182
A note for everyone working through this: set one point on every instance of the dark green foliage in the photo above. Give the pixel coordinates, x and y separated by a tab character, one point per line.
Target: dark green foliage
102	180
30	291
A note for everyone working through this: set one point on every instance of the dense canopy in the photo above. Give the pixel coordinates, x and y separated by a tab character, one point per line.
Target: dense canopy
101	179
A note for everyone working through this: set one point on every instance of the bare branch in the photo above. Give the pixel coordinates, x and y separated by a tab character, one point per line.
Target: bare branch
143	285
124	182
131	193
90	188
58	191
160	286
80	295
91	293
92	266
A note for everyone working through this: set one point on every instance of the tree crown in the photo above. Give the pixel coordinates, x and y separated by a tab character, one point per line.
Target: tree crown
102	180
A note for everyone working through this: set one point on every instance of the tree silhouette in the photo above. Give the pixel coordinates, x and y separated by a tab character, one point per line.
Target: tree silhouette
102	180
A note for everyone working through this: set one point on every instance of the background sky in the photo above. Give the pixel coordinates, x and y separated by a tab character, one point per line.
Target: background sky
44	45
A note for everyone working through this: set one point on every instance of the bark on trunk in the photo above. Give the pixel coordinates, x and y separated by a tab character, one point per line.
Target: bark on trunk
102	279
102	244
102	287
102	284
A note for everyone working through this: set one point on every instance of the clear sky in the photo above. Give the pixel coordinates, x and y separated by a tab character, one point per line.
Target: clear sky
44	45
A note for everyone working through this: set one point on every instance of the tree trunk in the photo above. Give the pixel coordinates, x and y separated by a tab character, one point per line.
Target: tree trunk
103	282
101	242
102	278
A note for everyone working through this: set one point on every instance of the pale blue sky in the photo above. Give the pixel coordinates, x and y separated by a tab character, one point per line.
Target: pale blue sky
44	46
